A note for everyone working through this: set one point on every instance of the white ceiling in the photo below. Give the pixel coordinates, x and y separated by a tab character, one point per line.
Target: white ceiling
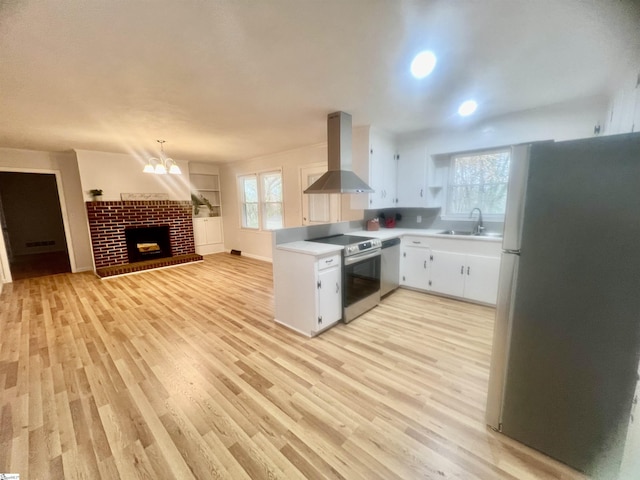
222	80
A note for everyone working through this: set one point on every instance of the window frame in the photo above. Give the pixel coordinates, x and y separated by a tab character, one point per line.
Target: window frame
262	203
491	217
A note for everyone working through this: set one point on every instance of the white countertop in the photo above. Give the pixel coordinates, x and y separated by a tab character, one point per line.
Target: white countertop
387	233
310	248
317	249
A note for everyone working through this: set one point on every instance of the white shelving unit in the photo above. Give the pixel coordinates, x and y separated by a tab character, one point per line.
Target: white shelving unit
207	186
207	224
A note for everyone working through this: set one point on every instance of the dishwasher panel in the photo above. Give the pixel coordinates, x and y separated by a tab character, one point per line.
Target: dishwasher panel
390	274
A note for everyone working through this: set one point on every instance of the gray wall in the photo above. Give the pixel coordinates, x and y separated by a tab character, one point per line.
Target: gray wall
430	218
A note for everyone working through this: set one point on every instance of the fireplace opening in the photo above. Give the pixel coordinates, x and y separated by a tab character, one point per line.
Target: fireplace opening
147	243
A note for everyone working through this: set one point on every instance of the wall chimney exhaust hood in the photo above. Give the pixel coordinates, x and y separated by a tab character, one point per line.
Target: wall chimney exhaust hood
340	178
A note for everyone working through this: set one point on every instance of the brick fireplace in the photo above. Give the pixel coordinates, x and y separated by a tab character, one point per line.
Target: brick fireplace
109	220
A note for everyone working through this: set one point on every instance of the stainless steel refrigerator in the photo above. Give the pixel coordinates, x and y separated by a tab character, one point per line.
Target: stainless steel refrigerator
565	361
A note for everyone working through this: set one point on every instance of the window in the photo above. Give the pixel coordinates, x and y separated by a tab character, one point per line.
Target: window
478	180
261	199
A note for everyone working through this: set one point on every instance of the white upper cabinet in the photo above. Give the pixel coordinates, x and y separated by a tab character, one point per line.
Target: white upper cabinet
412	175
382	171
374	160
422	177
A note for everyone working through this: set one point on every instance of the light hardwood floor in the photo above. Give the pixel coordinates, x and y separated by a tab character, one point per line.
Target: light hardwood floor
182	373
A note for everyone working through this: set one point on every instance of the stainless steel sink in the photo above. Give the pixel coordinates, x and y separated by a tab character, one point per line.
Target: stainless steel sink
471	234
455	232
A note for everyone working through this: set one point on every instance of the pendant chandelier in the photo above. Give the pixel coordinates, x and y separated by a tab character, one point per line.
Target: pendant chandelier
162	165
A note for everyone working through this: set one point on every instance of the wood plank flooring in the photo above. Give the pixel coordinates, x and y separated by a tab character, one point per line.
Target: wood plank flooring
182	373
39	264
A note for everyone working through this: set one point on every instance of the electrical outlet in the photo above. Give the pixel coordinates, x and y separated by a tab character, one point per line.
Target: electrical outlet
419	219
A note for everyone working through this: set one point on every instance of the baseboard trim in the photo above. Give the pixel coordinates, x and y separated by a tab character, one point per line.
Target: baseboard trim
258	257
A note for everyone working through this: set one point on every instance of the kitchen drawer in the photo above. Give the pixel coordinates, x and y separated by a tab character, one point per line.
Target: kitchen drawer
415	241
328	262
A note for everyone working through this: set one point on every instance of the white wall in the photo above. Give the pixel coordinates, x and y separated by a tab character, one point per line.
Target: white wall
203	168
258	243
116	173
624	108
557	122
70	193
77	213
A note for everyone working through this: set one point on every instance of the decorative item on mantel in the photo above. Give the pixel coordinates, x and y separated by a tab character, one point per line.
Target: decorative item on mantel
96	194
144	196
162	165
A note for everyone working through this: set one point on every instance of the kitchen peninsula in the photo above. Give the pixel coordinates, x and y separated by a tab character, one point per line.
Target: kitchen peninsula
459	266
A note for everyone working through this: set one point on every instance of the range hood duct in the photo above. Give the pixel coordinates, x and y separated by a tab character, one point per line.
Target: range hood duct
340	177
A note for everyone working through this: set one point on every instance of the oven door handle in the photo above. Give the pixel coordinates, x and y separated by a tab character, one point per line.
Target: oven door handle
363	256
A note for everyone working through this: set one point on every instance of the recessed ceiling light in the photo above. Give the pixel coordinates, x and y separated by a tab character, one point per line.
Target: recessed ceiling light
467	108
423	64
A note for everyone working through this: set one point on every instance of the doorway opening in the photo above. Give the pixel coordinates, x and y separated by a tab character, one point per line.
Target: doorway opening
32	225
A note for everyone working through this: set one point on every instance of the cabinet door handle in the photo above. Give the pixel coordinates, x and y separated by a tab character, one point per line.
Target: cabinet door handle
319	283
468	270
462	270
337	287
416	242
421	192
329	261
425	264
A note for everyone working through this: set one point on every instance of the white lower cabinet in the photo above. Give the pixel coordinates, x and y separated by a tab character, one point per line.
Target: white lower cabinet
329	286
414	267
447	273
474	277
465	269
207	235
481	278
308	290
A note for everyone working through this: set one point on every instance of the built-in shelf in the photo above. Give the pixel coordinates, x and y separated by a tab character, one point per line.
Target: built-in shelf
207	186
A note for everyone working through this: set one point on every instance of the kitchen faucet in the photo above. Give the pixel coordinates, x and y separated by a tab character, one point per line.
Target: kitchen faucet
479	226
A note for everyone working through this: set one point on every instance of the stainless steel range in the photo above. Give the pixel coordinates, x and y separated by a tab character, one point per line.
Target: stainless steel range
360	273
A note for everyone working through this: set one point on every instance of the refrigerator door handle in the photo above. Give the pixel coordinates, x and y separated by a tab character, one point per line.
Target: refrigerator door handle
511	252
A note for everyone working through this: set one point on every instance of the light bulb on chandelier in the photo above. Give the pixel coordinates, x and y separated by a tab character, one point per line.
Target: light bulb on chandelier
162	165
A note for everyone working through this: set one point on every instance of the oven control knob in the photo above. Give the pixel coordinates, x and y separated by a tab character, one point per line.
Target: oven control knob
351	249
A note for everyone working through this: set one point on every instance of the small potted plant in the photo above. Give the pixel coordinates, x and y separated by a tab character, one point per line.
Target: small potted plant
197	204
96	194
